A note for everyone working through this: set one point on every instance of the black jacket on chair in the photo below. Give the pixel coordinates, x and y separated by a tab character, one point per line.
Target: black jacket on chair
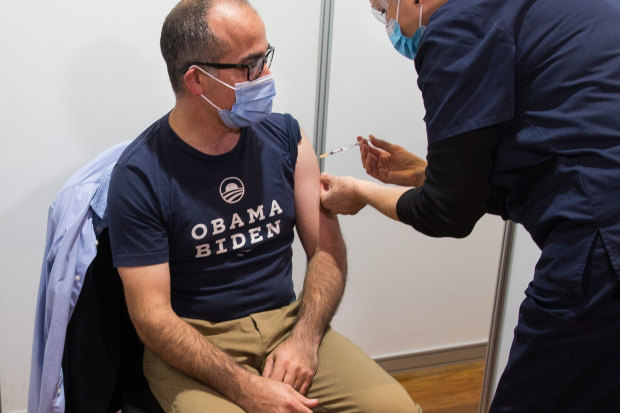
102	359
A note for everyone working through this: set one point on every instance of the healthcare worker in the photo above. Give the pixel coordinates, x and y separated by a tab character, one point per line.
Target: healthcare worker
522	102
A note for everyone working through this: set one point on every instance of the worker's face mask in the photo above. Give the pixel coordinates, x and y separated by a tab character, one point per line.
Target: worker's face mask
253	101
406	46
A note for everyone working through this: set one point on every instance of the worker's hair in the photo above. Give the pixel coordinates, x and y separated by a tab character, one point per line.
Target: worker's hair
186	37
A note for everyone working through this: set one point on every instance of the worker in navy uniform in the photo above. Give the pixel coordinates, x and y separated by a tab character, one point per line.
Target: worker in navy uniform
522	103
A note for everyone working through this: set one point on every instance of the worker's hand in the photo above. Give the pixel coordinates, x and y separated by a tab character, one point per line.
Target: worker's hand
294	363
264	395
391	164
340	194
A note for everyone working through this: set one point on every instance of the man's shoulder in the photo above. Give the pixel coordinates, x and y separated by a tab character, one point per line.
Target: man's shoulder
279	119
282	125
139	147
143	158
138	144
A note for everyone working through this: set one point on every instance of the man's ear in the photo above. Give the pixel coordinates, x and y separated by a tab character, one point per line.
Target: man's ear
192	81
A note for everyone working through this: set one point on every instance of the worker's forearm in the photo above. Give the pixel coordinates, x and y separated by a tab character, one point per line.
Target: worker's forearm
382	198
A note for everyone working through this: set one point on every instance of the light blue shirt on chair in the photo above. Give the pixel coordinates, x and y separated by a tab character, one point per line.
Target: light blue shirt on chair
76	217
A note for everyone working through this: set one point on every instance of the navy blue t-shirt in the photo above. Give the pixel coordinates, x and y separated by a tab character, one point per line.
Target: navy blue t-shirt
223	223
546	74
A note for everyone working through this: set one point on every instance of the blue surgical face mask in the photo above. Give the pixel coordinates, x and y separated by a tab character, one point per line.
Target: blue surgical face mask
253	101
406	46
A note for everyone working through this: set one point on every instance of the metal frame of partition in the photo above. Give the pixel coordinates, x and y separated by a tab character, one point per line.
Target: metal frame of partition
497	320
326	30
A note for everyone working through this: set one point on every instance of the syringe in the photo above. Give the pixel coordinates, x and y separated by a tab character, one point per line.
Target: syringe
344	148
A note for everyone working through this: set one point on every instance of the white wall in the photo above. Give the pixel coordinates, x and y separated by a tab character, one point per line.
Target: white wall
80	76
77	77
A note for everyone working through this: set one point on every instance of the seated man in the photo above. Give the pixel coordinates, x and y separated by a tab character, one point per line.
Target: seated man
202	207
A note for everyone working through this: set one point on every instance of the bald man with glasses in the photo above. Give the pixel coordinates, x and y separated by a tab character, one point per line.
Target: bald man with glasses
202	208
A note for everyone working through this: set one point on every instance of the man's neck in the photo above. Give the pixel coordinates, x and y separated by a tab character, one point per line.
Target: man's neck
202	129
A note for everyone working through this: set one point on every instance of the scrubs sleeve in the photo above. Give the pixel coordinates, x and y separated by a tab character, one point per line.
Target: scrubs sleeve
456	189
466	75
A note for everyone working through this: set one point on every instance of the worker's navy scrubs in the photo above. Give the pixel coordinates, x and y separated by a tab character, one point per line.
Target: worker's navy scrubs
547	74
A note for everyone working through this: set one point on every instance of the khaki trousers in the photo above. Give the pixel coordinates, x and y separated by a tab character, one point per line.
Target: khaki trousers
347	380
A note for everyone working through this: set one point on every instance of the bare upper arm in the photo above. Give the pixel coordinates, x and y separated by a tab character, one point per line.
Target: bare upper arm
147	290
317	227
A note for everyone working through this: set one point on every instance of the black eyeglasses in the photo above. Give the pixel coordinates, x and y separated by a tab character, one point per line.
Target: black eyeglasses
254	69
